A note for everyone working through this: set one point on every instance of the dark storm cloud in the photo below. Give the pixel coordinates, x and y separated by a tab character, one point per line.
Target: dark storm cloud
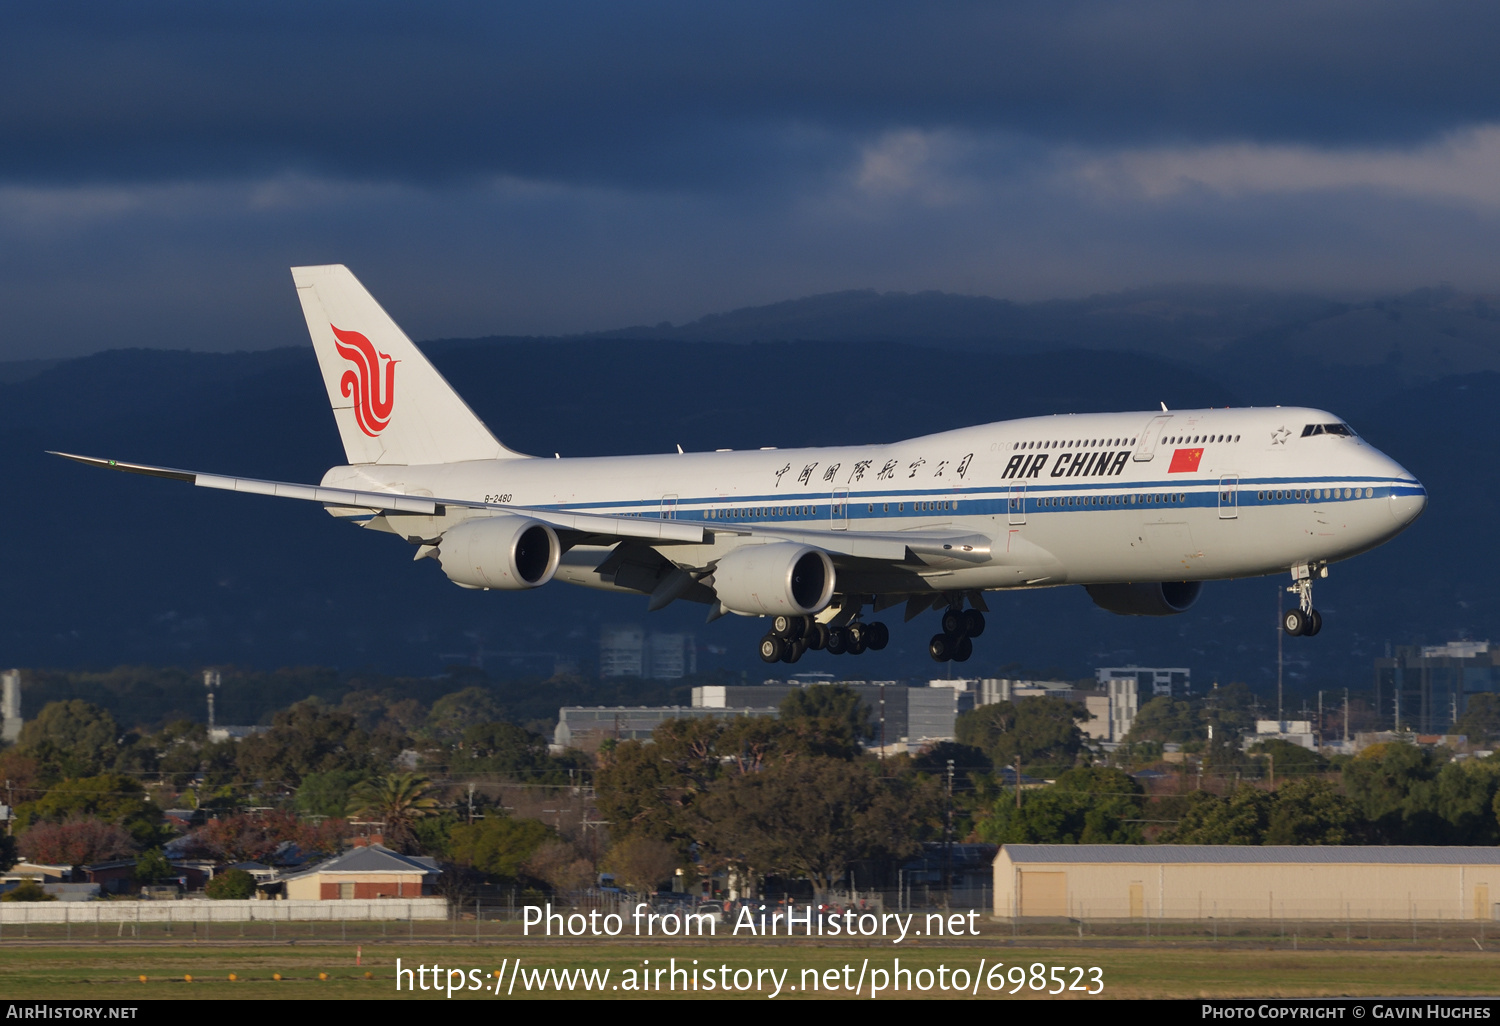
700	95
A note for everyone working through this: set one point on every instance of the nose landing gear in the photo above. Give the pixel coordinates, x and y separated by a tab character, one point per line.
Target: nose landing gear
1304	621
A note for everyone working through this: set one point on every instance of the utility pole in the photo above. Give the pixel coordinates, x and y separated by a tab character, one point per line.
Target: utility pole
948	834
471	803
1346	716
1018	782
1280	637
1320	718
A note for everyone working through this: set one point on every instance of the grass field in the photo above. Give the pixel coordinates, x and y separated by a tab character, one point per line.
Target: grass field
1161	968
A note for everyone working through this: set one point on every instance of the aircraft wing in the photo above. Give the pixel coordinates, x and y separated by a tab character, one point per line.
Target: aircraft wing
396	502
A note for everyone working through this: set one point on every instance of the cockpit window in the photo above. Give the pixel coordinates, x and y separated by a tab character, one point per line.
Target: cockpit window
1328	429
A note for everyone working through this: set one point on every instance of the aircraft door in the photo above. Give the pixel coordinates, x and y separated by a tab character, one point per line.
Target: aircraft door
1145	448
1229	497
838	510
669	507
1015	506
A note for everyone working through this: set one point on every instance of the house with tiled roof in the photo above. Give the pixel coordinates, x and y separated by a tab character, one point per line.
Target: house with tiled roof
373	871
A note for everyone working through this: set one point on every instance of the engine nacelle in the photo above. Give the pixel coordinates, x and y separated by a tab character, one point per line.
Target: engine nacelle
506	552
1165	598
780	577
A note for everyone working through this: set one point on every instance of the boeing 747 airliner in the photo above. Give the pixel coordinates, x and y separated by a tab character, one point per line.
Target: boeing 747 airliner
1138	508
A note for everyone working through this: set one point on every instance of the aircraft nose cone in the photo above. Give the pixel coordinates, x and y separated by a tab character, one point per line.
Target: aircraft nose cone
1407	506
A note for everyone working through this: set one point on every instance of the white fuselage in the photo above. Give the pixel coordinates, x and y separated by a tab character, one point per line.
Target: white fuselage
1069	499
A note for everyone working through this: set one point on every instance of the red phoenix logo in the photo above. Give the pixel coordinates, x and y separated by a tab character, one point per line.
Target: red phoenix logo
371	410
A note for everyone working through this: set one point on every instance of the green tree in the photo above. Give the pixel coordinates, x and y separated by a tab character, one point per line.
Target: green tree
811	818
1481	719
1466	793
504	749
1395	788
1163	720
498	845
1042	732
456	712
642	863
646	788
1312	811
826	719
397	800
1289	760
308	738
152	866
27	890
73	738
1240	818
1086	805
231	885
327	794
109	797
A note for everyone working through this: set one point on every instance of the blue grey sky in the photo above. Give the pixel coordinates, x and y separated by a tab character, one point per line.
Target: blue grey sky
511	168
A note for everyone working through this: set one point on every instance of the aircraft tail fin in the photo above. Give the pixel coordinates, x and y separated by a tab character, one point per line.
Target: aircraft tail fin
392	406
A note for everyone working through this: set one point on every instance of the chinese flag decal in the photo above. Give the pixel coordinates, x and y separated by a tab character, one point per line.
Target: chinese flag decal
1185	461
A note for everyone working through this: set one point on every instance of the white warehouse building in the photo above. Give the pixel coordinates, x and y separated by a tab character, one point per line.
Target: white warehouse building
1229	881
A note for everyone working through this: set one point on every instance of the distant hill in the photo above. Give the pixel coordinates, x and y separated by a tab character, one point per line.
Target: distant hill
1246	335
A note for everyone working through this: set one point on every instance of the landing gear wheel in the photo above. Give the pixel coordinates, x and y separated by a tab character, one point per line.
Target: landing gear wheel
794	651
816	637
836	642
788	627
1295	622
954	622
877	636
772	648
963	650
941	647
1314	624
855	638
973	623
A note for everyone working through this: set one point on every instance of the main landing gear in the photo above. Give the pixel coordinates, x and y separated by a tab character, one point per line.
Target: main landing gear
792	636
960	627
1304	621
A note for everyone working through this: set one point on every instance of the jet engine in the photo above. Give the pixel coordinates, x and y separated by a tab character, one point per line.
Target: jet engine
781	577
1164	598
506	552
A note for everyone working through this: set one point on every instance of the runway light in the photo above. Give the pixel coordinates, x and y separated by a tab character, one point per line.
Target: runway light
187	978
322	976
232	977
142	979
369	976
276	976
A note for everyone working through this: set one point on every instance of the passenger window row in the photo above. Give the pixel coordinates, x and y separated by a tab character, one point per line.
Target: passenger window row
759	512
1150	499
1085	443
1301	494
1199	439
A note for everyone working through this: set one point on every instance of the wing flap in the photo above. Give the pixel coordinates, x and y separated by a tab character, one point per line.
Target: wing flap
395	502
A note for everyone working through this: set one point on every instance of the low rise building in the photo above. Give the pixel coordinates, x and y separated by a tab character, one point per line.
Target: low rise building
372	871
1203	881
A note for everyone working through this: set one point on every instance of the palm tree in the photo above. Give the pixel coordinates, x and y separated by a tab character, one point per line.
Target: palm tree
397	800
